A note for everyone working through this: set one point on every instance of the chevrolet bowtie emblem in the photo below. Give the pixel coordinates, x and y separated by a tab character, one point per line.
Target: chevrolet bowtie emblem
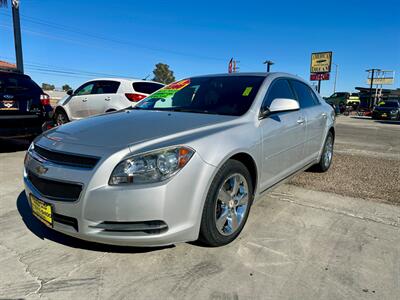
41	170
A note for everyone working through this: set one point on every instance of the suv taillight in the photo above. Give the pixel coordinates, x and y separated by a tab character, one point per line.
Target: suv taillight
45	99
134	97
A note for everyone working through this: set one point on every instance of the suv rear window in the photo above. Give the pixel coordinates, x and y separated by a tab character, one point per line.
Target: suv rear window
146	87
11	83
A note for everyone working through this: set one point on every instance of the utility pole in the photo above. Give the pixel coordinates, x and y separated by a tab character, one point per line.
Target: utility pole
17	36
269	63
336	72
371	84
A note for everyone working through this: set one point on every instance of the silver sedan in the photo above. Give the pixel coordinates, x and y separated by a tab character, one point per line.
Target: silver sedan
186	163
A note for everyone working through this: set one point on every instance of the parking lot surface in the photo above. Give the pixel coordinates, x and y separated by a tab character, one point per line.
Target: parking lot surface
308	239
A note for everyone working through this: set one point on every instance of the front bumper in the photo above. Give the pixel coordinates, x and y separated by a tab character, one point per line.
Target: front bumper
102	210
384	115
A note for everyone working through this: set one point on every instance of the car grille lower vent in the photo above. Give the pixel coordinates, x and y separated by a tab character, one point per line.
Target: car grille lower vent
56	190
149	227
61	158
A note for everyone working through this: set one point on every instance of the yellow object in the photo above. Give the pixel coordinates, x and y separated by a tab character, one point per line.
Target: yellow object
321	62
247	91
41	210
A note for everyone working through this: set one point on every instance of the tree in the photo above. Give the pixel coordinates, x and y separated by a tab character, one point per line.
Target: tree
66	87
48	87
17	32
163	74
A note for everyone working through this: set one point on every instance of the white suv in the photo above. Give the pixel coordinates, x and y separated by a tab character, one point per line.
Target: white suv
102	95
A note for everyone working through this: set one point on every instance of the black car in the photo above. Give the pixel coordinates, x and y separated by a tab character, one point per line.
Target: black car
387	110
24	107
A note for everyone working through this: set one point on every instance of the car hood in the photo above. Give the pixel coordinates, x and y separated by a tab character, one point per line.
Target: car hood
129	127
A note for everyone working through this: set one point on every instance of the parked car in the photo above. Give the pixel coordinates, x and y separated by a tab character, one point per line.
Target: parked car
339	100
387	110
24	107
185	163
102	95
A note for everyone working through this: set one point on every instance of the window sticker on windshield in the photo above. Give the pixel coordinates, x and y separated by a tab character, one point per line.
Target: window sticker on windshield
171	89
247	91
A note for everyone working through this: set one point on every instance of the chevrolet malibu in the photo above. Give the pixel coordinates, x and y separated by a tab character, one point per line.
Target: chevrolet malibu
186	163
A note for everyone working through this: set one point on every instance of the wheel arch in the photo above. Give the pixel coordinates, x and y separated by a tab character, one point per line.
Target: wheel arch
250	164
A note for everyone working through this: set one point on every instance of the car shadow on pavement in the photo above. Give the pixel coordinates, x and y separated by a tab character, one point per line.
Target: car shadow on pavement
43	232
13	145
388	122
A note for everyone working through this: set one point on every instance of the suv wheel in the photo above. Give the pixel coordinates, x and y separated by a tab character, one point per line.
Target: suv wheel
227	205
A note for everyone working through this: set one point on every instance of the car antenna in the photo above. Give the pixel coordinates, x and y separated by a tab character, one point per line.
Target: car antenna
146	77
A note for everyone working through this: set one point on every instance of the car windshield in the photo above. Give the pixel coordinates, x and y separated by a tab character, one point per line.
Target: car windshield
225	95
389	104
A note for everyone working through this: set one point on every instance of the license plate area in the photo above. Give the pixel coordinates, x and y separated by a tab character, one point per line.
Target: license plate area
8	105
42	210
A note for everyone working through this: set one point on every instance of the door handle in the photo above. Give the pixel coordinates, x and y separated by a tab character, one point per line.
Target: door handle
84	100
324	115
300	121
107	98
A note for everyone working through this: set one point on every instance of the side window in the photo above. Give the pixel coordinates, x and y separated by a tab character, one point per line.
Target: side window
85	89
305	95
279	88
106	87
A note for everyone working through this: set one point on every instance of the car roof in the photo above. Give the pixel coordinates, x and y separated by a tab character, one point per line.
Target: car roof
128	80
13	73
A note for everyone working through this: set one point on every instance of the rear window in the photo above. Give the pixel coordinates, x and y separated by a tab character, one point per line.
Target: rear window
10	83
146	87
106	87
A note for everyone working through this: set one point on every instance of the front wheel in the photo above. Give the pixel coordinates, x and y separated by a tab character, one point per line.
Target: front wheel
227	205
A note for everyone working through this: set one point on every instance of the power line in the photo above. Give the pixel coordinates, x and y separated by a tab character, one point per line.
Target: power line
117	41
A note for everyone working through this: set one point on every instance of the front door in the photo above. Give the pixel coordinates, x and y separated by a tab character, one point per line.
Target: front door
283	137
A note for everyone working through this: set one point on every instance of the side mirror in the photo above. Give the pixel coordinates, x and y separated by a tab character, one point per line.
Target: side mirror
280	105
70	92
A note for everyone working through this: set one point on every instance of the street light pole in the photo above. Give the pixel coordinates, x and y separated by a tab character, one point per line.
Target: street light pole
336	72
269	63
17	36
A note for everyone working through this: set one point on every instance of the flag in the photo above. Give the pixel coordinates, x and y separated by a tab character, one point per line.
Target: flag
230	66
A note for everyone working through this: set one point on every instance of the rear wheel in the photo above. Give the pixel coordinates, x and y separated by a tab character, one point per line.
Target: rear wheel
227	205
60	117
326	156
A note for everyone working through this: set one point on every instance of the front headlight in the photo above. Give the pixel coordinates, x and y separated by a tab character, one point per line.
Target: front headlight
151	167
393	112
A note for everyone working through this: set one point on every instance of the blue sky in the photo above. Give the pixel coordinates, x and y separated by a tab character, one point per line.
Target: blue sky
84	39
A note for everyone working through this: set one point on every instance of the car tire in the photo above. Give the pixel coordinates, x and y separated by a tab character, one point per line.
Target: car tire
227	205
60	117
327	155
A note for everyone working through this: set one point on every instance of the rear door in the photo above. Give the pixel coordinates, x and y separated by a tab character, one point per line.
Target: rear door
78	103
283	137
102	96
315	118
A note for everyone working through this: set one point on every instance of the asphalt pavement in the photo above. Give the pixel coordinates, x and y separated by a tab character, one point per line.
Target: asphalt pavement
299	243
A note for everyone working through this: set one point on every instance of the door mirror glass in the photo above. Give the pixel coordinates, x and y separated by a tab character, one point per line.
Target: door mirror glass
70	92
283	104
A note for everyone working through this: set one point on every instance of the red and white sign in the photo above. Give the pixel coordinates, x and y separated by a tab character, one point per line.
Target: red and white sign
319	76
